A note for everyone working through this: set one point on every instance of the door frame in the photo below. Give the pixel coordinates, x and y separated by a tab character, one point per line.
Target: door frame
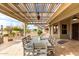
76	31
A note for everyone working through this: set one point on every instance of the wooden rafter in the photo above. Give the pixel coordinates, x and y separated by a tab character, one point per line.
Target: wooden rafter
17	9
9	11
25	7
9	14
61	8
27	12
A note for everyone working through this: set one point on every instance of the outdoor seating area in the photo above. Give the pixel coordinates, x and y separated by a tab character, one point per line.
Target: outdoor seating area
39	29
37	47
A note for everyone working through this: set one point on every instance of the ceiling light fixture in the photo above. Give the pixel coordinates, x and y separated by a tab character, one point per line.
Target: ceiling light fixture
75	18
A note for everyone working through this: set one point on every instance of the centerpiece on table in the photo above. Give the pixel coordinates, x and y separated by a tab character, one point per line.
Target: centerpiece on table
39	34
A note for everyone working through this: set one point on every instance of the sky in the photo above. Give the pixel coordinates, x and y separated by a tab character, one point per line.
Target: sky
32	27
8	21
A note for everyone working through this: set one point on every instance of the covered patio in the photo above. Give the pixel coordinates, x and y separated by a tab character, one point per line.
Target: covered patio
53	18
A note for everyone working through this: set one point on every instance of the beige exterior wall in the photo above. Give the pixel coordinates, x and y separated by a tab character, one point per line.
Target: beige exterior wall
57	36
65	36
69	23
65	17
51	31
69	29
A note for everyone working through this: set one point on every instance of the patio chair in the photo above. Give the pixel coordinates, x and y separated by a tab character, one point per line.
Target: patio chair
50	49
27	47
51	40
28	38
40	49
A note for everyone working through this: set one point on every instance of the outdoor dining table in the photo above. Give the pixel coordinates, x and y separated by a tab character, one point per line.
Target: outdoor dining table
38	43
38	40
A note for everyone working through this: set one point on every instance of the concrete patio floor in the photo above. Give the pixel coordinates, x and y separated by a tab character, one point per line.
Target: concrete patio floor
13	50
70	48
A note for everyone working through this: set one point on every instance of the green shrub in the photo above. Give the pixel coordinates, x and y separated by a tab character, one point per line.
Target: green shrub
6	35
28	31
34	29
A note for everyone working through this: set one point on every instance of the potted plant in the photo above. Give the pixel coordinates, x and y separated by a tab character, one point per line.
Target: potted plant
39	32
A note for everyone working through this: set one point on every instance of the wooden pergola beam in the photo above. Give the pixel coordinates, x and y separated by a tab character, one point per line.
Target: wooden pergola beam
72	10
11	12
19	11
59	11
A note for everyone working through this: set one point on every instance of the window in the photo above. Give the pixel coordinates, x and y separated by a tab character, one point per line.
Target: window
64	29
55	29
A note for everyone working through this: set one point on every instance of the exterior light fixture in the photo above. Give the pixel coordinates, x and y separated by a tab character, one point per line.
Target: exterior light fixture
75	18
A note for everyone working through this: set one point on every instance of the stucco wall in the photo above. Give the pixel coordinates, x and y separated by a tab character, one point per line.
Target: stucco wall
59	34
68	23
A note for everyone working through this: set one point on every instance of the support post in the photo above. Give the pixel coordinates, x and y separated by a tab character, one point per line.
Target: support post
1	35
50	30
24	29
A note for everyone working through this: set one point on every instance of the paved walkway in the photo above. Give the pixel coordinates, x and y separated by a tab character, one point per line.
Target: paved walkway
13	48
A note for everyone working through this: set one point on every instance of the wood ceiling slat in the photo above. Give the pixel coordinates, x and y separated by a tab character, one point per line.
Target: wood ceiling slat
55	8
17	9
28	11
22	13
9	14
10	11
48	9
42	9
24	7
28	7
32	9
7	9
21	9
35	12
51	7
